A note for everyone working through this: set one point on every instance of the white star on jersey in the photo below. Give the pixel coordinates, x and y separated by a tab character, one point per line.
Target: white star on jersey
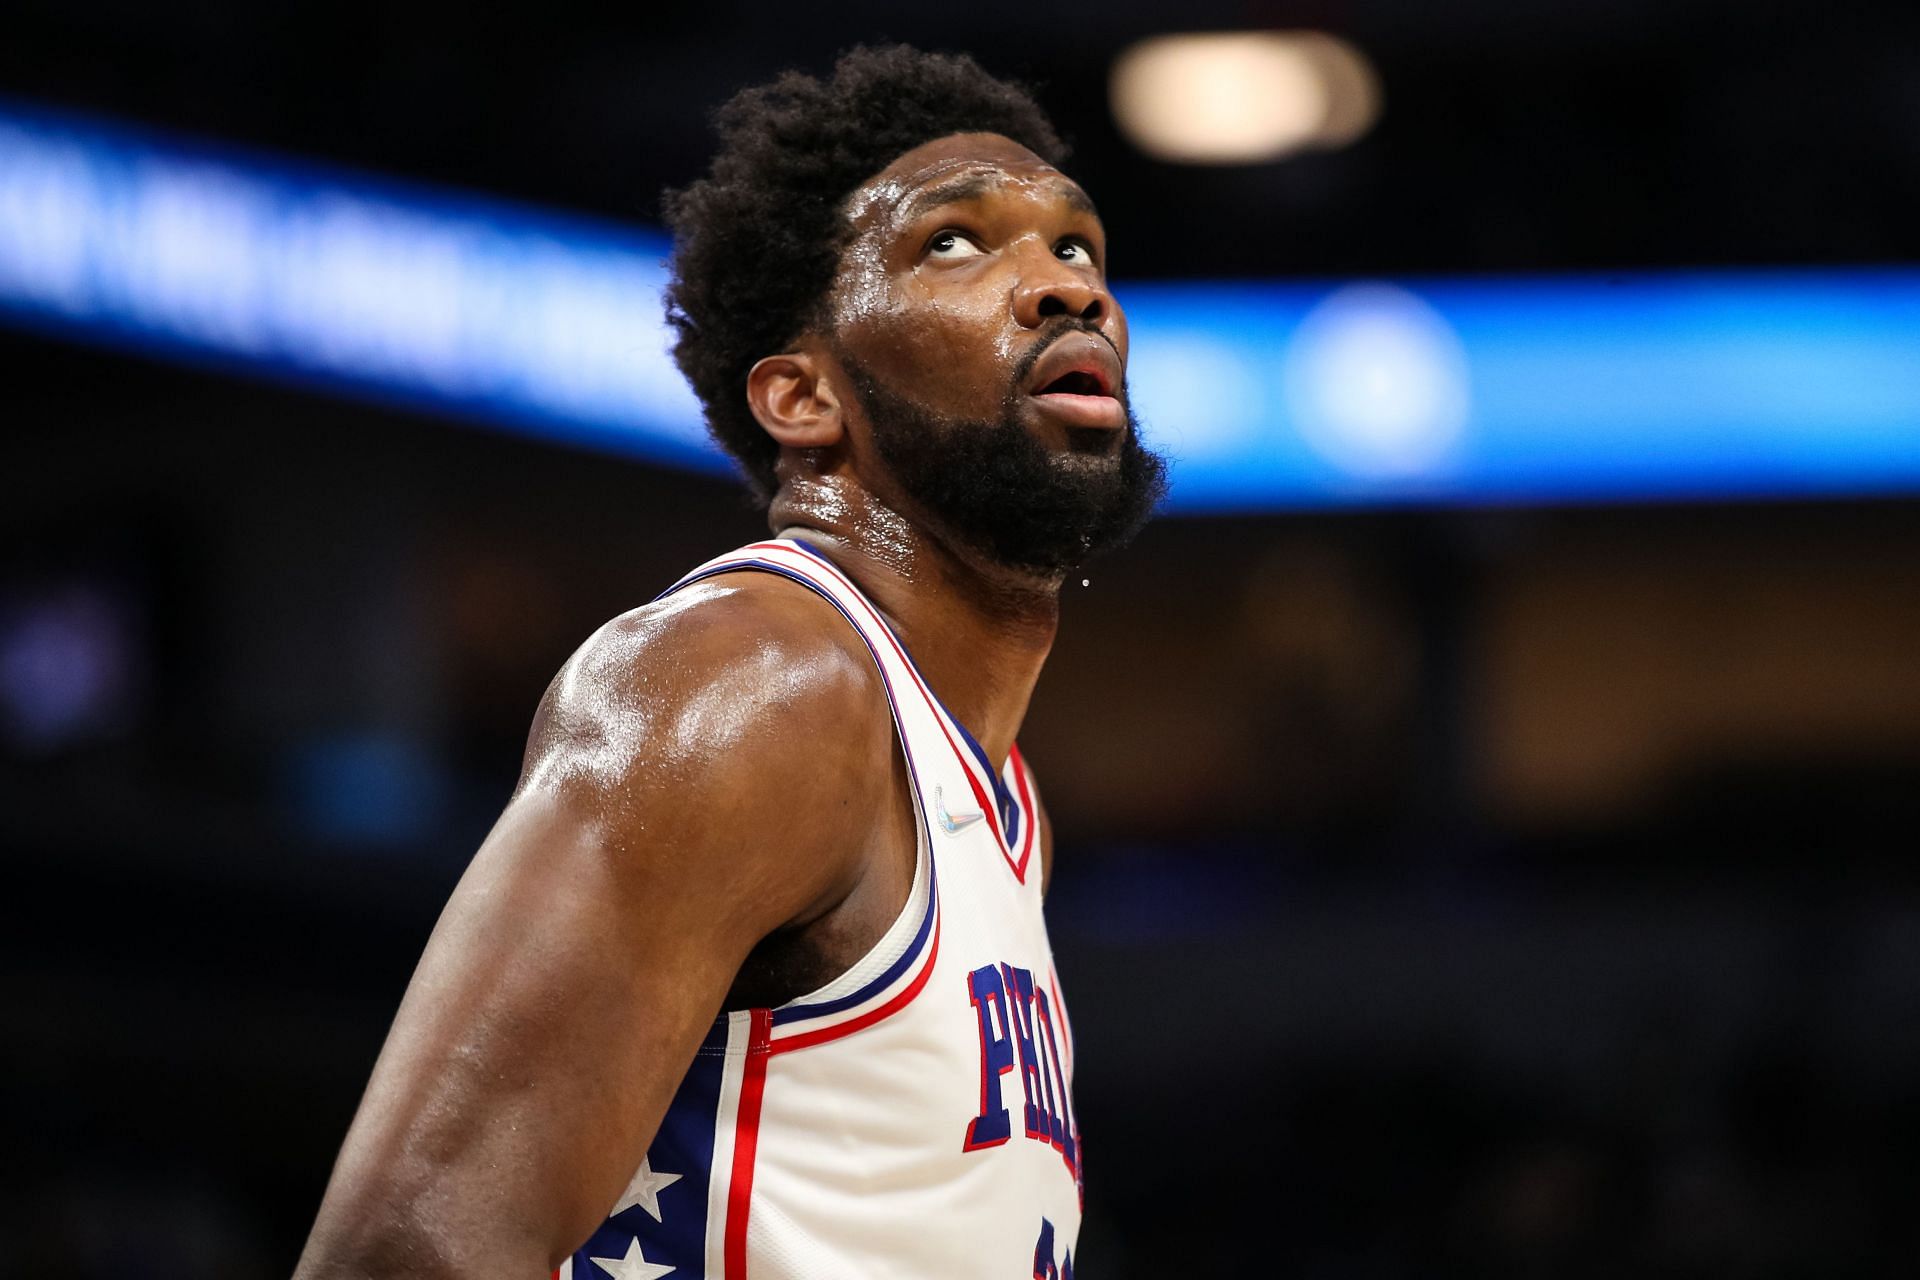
632	1267
645	1190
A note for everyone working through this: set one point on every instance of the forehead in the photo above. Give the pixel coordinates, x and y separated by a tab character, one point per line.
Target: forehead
965	164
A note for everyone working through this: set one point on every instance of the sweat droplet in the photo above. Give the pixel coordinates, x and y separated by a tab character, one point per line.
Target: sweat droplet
1086	582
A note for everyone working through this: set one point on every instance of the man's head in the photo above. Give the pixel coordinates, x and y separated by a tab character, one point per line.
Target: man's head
887	265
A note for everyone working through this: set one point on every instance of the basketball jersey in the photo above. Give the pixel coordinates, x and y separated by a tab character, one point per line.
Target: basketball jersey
913	1117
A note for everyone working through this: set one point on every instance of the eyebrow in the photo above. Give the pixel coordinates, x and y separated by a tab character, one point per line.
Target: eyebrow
974	185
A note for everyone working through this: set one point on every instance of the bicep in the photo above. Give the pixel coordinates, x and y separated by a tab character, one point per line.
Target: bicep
575	970
557	1004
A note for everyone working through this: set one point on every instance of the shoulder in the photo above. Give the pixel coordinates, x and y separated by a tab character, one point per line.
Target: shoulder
744	667
686	735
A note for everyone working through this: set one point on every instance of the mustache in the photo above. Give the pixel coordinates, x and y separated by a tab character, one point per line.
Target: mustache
1056	329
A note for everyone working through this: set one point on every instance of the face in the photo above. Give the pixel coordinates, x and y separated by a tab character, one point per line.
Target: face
988	359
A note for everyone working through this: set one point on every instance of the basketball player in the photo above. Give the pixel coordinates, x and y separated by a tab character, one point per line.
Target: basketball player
751	977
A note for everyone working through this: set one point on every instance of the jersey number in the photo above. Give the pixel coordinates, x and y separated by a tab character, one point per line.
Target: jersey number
1044	1267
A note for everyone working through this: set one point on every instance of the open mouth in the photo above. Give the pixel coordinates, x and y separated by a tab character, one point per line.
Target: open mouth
1076	382
1079	382
1078	400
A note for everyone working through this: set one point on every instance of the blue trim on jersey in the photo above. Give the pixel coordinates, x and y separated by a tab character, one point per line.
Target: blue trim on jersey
716	1041
683	1145
1002	794
791	1013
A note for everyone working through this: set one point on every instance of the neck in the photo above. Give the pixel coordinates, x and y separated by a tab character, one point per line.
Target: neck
978	632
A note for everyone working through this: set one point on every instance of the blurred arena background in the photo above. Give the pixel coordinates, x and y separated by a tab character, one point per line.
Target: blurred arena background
1487	800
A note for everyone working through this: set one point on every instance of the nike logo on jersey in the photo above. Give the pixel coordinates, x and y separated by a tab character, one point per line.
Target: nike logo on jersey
953	822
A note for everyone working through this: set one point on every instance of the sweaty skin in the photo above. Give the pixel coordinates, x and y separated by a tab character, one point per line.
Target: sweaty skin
713	811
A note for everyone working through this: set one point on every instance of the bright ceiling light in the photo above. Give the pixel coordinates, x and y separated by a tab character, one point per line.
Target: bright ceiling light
1241	98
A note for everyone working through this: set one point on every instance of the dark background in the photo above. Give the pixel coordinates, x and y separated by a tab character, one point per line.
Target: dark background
1489	892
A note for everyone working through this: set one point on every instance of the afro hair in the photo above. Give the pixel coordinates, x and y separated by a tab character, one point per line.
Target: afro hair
757	242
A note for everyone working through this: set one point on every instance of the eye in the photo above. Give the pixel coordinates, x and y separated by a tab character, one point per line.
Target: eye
951	245
1077	252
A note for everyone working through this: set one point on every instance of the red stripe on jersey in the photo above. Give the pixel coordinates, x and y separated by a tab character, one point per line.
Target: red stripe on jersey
902	1000
1026	808
746	1141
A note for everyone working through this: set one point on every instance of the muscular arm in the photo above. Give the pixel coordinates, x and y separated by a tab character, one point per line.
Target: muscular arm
592	941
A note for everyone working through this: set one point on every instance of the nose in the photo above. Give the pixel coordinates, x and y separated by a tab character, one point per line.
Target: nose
1049	287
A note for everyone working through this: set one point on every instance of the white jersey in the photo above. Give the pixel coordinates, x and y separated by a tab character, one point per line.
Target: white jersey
913	1117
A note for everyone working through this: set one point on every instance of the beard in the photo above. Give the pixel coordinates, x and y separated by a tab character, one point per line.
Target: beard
988	484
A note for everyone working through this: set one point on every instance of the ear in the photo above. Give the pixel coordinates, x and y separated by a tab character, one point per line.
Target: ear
793	399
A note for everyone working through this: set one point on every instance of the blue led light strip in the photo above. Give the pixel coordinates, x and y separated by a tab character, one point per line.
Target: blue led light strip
1269	396
1586	389
489	310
